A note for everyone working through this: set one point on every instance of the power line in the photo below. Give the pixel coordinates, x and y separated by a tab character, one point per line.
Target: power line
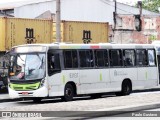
114	6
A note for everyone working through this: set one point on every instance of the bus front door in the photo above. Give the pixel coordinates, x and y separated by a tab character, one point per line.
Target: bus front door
158	57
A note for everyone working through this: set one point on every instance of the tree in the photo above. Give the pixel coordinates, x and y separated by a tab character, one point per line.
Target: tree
151	5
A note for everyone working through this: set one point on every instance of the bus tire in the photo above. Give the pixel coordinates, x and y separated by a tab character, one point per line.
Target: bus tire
126	88
68	93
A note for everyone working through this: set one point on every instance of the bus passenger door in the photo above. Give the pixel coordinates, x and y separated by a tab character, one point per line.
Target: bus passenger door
158	64
54	72
142	69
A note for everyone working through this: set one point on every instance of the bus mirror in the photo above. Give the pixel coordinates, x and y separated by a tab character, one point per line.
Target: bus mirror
5	64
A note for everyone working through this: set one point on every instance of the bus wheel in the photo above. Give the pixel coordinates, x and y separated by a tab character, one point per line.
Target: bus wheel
126	88
68	93
37	100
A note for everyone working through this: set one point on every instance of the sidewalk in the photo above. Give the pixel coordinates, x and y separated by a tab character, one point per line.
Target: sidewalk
4	97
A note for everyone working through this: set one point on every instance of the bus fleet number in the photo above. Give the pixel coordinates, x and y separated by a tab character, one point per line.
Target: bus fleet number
73	75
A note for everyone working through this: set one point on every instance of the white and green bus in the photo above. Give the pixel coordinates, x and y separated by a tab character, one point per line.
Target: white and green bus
67	70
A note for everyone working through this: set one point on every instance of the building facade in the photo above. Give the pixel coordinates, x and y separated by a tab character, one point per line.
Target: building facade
100	11
125	30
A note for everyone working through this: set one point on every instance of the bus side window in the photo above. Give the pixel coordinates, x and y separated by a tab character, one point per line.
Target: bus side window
151	58
89	58
53	63
129	58
142	57
115	58
74	59
70	59
82	56
86	58
101	58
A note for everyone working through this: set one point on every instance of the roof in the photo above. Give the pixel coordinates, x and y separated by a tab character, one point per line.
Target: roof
126	5
74	8
12	5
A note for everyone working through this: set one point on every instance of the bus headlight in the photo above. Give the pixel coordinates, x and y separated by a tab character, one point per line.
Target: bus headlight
42	82
8	80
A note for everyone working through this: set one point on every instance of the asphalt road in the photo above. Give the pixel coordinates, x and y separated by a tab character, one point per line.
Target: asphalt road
57	103
58	100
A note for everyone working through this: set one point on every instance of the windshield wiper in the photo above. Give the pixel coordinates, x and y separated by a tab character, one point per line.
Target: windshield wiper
20	57
42	61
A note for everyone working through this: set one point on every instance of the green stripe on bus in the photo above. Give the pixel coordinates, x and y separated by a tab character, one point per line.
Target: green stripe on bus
64	79
100	76
146	75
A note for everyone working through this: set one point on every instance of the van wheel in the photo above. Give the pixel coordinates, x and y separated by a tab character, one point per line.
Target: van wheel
68	93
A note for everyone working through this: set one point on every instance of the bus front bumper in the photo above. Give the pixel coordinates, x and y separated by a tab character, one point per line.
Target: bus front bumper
41	92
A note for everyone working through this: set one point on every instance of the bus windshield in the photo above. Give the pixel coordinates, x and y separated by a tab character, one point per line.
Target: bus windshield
27	66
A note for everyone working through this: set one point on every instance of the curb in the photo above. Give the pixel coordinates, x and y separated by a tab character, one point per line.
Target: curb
112	112
4	97
119	112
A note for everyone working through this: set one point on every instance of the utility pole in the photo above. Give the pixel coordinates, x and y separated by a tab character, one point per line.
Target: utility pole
58	21
115	6
114	20
115	14
140	7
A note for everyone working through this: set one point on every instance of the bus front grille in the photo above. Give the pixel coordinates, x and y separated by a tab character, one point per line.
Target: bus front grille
18	88
24	87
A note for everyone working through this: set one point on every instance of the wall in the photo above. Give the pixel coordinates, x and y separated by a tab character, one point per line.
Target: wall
126	32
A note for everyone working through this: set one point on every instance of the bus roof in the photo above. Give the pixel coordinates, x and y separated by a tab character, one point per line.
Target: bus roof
90	46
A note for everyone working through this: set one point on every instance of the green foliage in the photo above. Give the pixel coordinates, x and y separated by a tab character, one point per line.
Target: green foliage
152	37
151	5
